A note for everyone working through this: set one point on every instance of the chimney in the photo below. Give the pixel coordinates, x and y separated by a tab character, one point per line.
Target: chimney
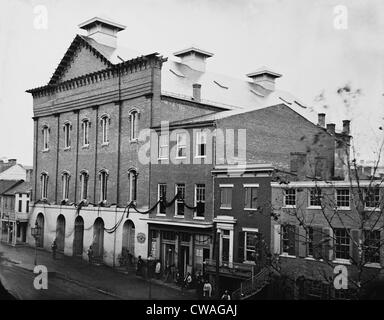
102	30
196	92
346	126
194	58
264	77
321	120
12	162
331	128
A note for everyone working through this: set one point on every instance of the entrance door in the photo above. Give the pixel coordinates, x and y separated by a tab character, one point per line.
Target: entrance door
78	237
129	237
60	233
169	255
98	238
40	224
184	260
225	250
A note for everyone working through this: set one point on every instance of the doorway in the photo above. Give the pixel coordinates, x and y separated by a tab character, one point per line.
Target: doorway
40	224
184	260
98	238
78	237
60	233
129	237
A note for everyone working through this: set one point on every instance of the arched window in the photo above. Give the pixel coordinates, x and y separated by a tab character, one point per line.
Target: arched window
134	120
103	185
45	137
132	182
44	185
65	185
83	185
104	122
67	135
85	126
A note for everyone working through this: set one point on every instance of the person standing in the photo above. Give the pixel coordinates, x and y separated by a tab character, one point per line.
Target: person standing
226	296
158	269
90	254
207	290
54	248
139	269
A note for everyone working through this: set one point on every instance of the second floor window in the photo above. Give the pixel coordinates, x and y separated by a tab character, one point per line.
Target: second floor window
290	197
342	198
372	246
134	119
83	185
200	199
65	185
27	206
179	204
163	146
250	198
201	144
132	181
372	197
181	145
104	129
315	197
226	197
288	239
44	186
162	196
67	135
45	138
103	185
20	206
310	242
342	243
252	246
85	126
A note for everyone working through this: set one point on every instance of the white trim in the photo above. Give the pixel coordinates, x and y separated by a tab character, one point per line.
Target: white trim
373	265
227	185
251	185
250	229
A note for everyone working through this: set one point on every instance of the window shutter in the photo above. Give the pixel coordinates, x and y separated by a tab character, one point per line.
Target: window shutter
302	242
327	244
354	247
292	240
240	253
276	239
317	239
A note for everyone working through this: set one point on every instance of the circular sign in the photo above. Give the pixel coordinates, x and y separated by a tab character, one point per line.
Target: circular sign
141	237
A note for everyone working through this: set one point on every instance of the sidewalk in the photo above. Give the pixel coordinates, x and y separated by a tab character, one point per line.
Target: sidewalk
99	277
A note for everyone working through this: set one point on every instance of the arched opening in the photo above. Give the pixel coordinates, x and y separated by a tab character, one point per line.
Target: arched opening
129	237
98	238
60	233
40	224
78	237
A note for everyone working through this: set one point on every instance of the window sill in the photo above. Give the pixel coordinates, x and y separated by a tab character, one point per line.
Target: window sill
105	144
179	216
67	148
250	209
249	262
372	209
198	218
162	159
85	146
289	207
136	140
310	258
45	150
341	261
200	157
285	255
161	214
343	208
180	158
314	207
225	208
373	265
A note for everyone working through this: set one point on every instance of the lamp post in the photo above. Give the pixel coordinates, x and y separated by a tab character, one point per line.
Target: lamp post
218	235
36	231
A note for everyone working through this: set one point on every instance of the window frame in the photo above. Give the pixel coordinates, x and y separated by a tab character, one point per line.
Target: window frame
246	232
369	245
65	176
181	186
85	124
286	196
44	185
310	198
84	178
202	187
180	146
375	201
337	246
251	187
105	122
163	146
132	184
159	185
134	124
46	133
201	135
103	176
337	199
222	188
67	127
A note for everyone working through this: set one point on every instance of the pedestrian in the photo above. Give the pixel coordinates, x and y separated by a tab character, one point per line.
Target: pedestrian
199	285
54	248
188	281
226	296
140	264
90	254
207	290
158	269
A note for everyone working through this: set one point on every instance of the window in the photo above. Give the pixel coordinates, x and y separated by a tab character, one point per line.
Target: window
342	198
65	185
341	243
226	197
44	185
134	119
288	239
163	146
250	198
132	181
103	185
45	138
179	204
83	185
181	140
200	200
252	246
27	206
372	197
201	144
225	242
20	206
290	197
168	235
310	242
315	197
104	129
85	126
372	246
67	135
162	195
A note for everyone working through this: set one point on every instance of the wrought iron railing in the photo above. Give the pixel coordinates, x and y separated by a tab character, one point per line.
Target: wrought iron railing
253	285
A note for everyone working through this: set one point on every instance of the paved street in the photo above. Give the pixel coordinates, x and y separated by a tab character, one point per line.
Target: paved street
70	278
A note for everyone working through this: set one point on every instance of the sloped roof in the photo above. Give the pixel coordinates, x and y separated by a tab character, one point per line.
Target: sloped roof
23	187
5	185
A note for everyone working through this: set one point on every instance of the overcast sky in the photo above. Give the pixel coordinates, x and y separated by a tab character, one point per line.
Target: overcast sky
307	41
